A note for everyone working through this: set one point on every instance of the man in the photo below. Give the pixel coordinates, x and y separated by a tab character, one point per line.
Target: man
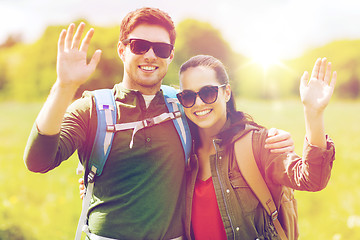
141	192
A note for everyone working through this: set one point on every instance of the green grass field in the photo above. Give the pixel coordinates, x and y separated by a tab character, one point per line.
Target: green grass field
47	206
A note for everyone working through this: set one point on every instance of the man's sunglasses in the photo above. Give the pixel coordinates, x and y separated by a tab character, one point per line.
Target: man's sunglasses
208	94
140	47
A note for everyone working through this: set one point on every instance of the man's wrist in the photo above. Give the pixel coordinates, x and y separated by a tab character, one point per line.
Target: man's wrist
64	89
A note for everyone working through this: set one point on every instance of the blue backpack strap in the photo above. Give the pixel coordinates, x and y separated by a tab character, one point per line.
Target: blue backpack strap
106	115
181	124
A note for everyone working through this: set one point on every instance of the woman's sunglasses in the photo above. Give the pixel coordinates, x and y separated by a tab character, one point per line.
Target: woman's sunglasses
140	47
207	94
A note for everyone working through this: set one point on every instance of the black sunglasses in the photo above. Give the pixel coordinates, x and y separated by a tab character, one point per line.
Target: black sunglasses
208	94
140	46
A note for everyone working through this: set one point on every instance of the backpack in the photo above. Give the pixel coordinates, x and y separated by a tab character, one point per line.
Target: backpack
106	127
284	217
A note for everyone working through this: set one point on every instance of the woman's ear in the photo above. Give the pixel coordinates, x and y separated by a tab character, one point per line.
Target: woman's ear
227	92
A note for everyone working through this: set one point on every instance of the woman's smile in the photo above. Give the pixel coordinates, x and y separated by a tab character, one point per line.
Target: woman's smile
202	113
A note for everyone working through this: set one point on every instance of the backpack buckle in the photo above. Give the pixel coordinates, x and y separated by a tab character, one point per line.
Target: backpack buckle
110	128
92	174
91	177
176	114
274	215
148	122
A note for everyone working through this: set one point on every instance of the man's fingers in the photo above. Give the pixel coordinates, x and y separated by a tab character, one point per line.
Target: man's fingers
283	150
281	144
77	37
61	42
280	141
280	136
69	35
272	132
95	59
86	41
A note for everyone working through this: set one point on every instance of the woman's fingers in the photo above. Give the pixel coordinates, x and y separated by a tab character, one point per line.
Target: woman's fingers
333	80
322	69
304	79
81	188
316	69
328	74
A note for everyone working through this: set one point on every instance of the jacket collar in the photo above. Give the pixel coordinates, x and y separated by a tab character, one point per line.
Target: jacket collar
231	124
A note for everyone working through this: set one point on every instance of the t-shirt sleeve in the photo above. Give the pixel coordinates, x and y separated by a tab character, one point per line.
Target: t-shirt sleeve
45	152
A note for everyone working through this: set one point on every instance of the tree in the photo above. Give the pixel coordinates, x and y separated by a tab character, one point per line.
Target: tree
33	69
350	89
11	40
195	37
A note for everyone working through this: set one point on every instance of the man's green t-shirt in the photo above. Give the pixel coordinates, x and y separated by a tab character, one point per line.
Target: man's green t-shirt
141	192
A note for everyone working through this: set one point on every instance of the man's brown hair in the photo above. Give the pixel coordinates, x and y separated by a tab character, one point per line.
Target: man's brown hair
153	16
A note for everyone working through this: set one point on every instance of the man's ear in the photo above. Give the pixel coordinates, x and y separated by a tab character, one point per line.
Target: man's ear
120	50
171	57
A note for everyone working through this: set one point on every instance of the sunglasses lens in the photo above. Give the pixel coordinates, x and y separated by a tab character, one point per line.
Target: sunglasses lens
162	50
187	98
208	94
139	47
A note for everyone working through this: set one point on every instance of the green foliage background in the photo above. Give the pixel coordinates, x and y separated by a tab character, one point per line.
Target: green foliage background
29	70
47	206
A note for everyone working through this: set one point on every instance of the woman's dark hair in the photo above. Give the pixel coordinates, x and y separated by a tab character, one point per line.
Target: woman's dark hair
237	118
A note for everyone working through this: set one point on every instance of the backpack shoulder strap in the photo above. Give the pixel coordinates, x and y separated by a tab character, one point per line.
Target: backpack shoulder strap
106	115
250	171
181	123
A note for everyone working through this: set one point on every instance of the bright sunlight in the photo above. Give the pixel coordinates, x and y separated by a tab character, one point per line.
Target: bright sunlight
265	59
266	56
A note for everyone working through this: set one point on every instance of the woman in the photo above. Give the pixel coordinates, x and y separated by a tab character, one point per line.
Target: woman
216	125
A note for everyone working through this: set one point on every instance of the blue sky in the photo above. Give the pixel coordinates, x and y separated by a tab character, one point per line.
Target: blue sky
276	29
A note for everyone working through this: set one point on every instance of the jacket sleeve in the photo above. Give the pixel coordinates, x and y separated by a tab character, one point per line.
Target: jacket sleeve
43	152
309	173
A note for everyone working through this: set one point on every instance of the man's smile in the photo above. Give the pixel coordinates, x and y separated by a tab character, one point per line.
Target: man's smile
148	68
